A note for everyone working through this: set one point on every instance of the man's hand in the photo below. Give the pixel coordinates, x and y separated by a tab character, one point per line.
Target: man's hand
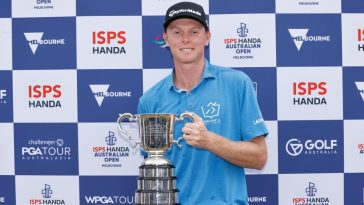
196	134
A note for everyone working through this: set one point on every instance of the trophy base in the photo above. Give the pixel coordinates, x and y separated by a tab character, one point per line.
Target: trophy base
159	197
156	185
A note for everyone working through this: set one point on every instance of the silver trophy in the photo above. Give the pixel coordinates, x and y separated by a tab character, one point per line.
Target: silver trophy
156	181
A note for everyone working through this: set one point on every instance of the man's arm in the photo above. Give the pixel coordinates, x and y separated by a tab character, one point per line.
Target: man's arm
246	154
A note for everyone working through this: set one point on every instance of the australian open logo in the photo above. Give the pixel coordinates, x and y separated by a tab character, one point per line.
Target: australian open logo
295	147
243	45
211	113
46	150
47	194
110	154
311	198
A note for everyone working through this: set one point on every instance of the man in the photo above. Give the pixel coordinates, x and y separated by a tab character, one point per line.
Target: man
229	132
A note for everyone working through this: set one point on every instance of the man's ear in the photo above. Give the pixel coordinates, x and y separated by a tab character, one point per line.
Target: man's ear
208	36
165	37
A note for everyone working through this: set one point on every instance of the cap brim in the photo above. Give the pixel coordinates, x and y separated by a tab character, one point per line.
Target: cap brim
165	25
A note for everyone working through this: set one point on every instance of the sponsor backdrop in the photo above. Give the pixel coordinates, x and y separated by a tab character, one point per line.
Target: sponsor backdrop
69	67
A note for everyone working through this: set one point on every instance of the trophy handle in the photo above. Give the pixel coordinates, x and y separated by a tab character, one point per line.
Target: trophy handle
131	118
190	115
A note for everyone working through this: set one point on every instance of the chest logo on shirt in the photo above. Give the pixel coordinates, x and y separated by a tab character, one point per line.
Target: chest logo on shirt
211	110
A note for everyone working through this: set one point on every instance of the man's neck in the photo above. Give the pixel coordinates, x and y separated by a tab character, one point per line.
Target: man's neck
187	76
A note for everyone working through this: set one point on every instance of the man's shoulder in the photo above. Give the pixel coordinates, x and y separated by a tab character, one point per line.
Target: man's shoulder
230	73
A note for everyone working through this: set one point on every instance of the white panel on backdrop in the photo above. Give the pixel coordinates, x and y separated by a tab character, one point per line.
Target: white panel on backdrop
309	93
308	6
152	76
7	149
353	146
311	189
159	7
243	40
111	42
353	39
271	167
6	45
105	151
45	96
43	8
47	189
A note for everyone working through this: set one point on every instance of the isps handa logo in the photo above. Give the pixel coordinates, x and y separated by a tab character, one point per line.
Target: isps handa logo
47	198
243	45
44	96
46	150
296	147
108	42
310	198
360	39
110	154
309	93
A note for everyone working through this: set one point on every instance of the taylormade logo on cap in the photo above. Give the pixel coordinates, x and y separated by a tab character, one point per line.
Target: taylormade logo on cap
173	12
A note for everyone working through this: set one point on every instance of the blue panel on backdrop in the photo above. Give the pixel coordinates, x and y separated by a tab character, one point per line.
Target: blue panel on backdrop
7	190
352	6
310	146
239	6
108	8
5	8
263	189
107	189
265	82
6	96
308	40
44	43
155	52
46	149
103	94
354	188
353	84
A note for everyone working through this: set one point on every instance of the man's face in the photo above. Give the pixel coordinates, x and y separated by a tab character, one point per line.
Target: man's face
187	39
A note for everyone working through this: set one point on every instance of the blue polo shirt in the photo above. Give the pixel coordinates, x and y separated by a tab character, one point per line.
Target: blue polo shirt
225	99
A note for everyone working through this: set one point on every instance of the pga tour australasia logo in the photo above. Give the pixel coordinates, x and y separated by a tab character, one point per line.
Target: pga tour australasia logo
46	150
295	147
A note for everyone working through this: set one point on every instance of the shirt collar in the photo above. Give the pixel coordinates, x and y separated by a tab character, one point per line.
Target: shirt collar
208	72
